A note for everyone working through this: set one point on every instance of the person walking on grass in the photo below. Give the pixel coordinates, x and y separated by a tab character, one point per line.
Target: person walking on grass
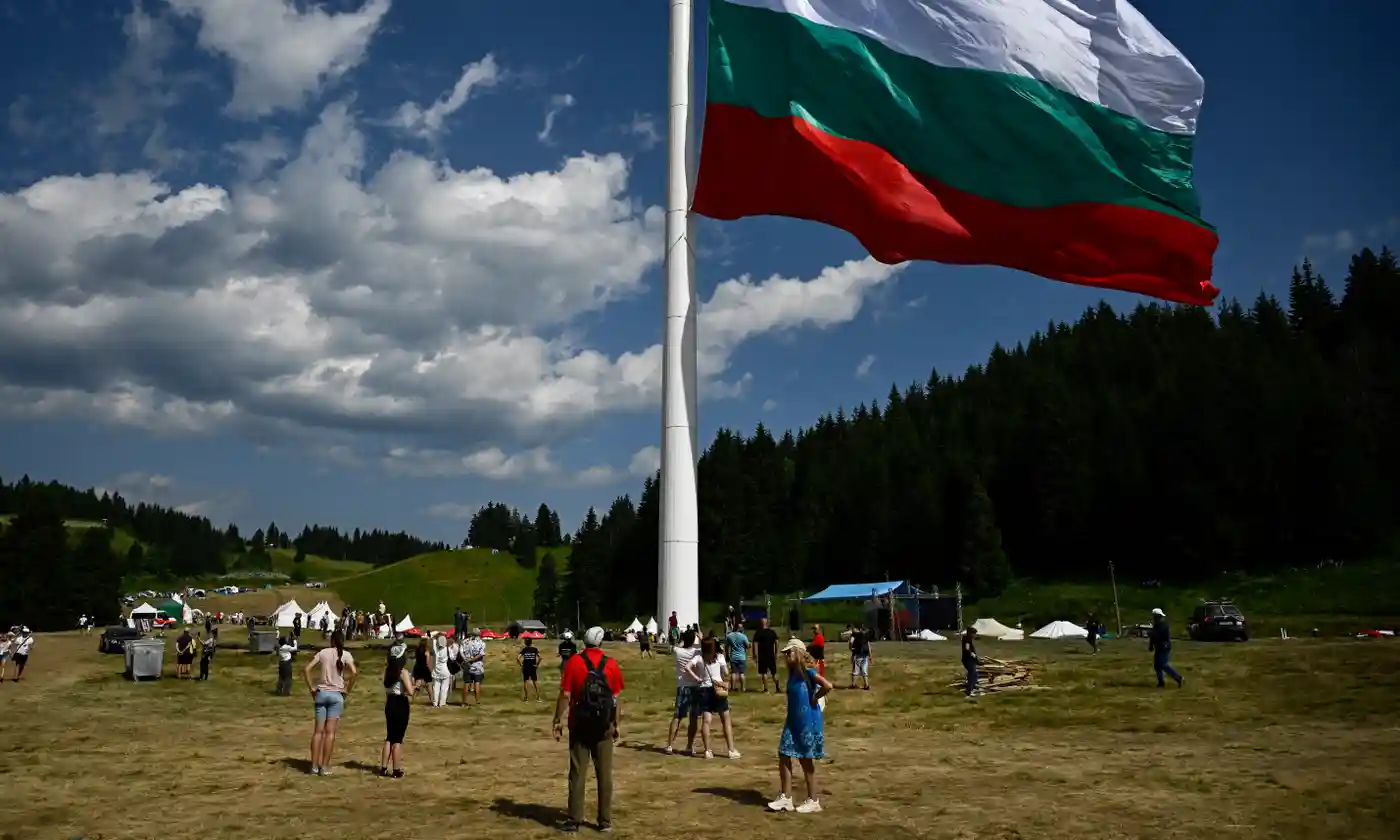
7	645
803	737
398	687
286	650
716	695
738	658
765	645
969	659
860	657
529	659
590	690
1159	643
442	676
567	649
22	645
184	654
422	667
688	698
473	666
337	679
206	656
644	645
1093	629
818	648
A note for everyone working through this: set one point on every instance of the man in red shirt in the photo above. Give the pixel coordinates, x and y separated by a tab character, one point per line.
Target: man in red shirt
817	648
589	743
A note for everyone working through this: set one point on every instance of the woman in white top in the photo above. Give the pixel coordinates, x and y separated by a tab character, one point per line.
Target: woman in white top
398	687
286	650
338	674
717	670
698	670
442	677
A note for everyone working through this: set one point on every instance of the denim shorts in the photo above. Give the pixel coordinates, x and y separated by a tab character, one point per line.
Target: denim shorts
689	702
329	705
739	666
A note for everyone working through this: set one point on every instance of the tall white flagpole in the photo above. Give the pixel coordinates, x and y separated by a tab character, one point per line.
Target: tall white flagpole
678	570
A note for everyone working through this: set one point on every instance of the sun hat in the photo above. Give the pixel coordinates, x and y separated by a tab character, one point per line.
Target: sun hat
568	634
794	644
398	650
593	637
1158	611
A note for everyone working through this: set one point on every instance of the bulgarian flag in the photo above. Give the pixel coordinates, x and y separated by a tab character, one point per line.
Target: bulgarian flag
1052	136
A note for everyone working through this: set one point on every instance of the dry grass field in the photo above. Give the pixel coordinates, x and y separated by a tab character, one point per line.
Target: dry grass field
1270	739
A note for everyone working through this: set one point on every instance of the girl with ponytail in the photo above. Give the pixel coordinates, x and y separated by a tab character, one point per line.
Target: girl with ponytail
328	698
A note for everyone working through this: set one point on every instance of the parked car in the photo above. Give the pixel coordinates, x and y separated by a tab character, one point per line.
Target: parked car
1216	621
115	638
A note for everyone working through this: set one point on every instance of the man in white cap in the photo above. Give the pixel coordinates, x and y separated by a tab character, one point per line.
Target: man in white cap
1159	643
591	692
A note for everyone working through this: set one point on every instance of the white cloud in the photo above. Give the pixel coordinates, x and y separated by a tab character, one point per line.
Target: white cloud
138	89
769	405
412	315
428	122
156	489
645	462
258	155
863	368
1342	240
452	510
643	127
558	104
283	53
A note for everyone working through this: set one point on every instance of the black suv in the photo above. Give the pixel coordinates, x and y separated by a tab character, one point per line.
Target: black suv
1216	621
114	639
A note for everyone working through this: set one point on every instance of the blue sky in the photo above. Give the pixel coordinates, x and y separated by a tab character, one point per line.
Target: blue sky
256	258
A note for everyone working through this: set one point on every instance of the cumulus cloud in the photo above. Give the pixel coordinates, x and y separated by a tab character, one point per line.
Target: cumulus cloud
428	123
558	104
138	89
645	462
863	367
283	53
411	315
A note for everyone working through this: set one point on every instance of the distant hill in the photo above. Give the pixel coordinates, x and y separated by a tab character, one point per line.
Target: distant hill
121	538
494	588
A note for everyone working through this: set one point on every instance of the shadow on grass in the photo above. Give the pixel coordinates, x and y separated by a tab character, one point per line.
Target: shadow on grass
546	815
638	746
738	795
301	765
363	767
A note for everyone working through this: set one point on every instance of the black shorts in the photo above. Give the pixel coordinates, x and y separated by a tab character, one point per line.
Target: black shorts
21	658
184	658
529	673
767	665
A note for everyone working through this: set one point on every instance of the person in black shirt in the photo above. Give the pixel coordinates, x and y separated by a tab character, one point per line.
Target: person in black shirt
1159	643
644	644
765	643
567	648
860	657
969	660
529	659
1092	625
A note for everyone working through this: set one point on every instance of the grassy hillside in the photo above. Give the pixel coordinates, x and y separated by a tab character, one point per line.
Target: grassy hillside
265	601
317	567
430	587
121	539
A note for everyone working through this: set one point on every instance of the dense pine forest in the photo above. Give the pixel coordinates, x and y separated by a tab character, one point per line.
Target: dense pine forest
1175	442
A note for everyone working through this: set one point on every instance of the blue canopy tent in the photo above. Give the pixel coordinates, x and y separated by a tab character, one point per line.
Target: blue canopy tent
859	591
886	618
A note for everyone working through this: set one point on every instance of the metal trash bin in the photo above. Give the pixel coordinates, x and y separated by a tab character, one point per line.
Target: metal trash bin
145	659
262	641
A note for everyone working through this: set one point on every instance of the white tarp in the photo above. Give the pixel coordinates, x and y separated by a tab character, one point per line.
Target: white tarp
404	625
930	636
1060	630
144	611
651	626
635	626
990	628
287	613
313	618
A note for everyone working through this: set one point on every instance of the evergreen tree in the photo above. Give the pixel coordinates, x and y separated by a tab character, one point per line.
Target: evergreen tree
547	591
982	563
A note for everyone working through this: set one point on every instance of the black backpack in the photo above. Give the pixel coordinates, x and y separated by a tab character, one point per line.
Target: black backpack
594	713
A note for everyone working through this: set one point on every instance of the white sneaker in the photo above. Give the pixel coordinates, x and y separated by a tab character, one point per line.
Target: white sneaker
811	806
315	771
709	754
782	803
734	755
669	750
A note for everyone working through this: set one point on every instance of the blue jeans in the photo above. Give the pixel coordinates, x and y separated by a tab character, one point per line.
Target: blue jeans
329	705
1162	664
971	677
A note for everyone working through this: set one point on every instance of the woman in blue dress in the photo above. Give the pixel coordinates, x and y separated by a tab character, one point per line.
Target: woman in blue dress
802	736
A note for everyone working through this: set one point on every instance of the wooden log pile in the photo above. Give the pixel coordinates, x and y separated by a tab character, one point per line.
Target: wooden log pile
998	675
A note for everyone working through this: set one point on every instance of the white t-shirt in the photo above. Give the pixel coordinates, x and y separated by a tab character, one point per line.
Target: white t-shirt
719	669
683	658
285	652
5	646
23	644
697	671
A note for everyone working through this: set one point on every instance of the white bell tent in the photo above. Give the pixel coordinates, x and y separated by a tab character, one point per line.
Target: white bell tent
1060	630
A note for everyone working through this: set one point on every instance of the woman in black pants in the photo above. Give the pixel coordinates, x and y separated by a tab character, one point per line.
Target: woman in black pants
398	687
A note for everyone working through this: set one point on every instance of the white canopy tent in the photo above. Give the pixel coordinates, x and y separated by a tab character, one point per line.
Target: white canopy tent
990	628
635	626
651	626
287	613
145	610
404	625
1060	630
927	636
313	618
